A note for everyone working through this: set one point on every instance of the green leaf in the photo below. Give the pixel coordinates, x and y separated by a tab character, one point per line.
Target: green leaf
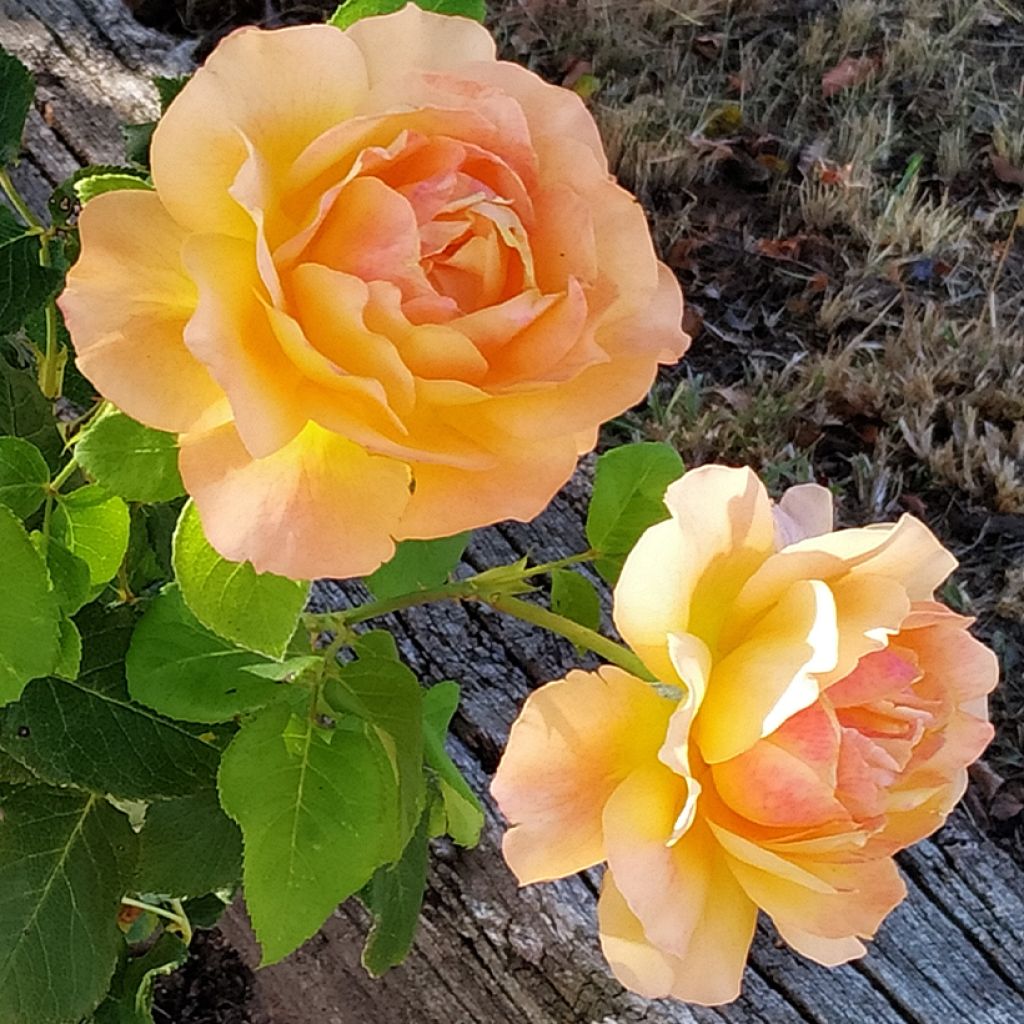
182	669
284	671
13	772
316	808
168	88
69	656
89	734
96	184
257	610
130	999
25	413
148	560
17	87
67	861
465	816
24	475
137	138
64	204
29	619
69	575
394	897
353	10
93	525
575	597
130	460
188	847
417	565
206	910
25	285
629	496
384	692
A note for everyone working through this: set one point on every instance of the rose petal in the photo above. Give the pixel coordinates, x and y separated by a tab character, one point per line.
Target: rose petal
546	344
333	305
682	574
391	44
519	486
770	677
198	145
711	975
831	899
956	667
869	610
301	512
878	675
652	596
906	552
803	512
126	304
370	232
572	744
788	778
691	661
827	952
554	114
231	335
684	895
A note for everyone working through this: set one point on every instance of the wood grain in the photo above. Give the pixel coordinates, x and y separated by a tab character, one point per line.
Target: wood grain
487	952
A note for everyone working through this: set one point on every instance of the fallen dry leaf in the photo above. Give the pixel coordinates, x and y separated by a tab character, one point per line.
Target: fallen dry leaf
1005	171
817	284
576	70
724	121
693	320
708	46
849	72
834	174
780	248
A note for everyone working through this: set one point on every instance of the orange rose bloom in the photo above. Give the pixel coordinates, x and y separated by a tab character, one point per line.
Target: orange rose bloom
385	288
819	714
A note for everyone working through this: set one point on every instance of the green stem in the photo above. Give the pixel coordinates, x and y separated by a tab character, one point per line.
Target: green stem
457	590
331	621
177	916
581	636
183	922
51	494
63	476
18	203
51	368
489	592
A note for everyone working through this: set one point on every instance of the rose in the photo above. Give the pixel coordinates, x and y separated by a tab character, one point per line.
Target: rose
385	288
819	714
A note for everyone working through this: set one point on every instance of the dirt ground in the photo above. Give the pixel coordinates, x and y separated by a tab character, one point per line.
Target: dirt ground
840	186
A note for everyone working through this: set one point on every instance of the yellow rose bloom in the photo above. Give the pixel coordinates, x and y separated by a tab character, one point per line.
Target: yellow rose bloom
819	713
385	288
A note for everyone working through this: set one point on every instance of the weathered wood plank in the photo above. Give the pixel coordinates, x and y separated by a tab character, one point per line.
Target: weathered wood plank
489	953
947	954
